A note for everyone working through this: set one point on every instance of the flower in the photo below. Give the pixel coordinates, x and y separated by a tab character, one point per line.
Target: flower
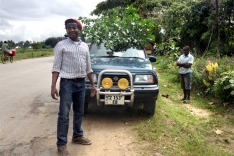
211	69
215	65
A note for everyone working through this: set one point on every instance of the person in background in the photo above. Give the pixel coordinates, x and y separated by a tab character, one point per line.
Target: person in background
72	64
154	49
5	48
185	62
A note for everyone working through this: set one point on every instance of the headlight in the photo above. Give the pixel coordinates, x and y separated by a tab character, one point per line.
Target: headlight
144	79
107	83
94	78
123	83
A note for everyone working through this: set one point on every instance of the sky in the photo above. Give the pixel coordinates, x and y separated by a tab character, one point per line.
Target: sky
37	20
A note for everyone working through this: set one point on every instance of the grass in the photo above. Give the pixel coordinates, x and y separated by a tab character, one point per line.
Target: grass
30	53
195	129
178	129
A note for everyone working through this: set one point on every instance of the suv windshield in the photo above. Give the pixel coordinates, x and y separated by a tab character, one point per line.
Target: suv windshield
101	51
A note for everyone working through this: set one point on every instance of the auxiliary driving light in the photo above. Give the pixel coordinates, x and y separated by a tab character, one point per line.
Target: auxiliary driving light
123	83
107	83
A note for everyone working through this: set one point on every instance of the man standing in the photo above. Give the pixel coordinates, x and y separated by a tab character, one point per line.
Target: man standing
72	65
185	62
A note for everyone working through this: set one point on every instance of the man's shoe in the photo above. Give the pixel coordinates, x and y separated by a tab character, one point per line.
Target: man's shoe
186	101
62	150
81	140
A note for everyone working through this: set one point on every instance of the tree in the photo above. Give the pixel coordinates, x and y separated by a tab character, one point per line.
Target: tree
102	7
52	41
11	43
36	45
20	44
27	44
226	13
218	28
122	28
147	9
195	23
192	22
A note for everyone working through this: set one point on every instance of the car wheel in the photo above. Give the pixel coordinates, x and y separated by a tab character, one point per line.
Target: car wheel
86	105
149	107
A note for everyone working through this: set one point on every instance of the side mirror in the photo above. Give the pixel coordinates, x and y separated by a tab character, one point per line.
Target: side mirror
152	59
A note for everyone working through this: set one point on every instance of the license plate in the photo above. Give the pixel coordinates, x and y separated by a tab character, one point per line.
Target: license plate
114	100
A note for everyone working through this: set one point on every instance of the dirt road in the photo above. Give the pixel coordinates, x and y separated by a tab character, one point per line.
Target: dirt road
28	117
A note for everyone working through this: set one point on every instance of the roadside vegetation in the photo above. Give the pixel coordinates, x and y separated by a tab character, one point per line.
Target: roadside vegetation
204	127
24	53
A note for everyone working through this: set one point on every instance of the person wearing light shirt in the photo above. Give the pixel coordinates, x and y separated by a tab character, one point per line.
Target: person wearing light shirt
72	64
5	47
185	62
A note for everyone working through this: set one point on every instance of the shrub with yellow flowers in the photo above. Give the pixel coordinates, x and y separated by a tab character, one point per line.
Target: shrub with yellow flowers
210	69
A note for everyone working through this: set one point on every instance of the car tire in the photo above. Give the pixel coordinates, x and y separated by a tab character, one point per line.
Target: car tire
149	107
86	105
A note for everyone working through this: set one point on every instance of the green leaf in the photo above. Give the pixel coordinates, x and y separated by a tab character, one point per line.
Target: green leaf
121	28
227	87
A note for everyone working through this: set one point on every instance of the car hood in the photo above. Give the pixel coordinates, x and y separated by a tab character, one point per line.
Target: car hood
120	63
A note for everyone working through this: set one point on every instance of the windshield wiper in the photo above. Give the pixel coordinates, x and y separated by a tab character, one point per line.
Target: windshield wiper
133	57
106	56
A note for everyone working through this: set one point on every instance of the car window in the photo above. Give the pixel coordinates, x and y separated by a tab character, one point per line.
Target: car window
132	52
98	51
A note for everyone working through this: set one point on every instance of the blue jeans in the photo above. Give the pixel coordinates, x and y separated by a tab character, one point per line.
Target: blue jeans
185	80
72	92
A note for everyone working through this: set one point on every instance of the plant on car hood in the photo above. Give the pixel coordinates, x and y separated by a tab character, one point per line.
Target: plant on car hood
121	28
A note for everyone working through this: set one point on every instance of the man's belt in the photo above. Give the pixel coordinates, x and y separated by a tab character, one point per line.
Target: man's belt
79	79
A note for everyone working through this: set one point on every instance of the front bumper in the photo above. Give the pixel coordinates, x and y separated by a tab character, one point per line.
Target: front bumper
102	91
134	94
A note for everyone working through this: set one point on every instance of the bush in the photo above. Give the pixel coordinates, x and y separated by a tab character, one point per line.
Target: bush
224	87
198	75
207	78
203	75
168	64
30	53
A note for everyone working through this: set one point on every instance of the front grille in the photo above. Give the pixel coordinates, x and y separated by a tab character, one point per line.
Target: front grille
115	78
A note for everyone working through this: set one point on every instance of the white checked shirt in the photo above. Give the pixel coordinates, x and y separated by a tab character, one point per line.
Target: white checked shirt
185	59
71	60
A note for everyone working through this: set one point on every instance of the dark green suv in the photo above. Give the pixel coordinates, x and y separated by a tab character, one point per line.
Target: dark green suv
123	78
